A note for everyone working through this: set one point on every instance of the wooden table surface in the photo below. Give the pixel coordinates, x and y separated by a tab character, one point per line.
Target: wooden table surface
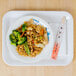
60	5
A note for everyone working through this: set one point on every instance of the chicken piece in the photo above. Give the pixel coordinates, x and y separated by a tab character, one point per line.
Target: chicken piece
45	39
37	48
38	28
39	45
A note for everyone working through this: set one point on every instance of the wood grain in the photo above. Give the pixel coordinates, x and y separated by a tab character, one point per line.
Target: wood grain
65	5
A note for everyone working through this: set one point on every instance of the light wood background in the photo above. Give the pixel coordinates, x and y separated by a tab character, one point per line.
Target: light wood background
66	5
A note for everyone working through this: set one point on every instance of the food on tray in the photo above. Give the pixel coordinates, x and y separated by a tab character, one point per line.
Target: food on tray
29	38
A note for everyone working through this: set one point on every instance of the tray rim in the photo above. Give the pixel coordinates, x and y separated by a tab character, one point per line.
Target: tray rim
36	11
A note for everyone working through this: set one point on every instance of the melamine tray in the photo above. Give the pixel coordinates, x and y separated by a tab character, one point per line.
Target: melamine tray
65	55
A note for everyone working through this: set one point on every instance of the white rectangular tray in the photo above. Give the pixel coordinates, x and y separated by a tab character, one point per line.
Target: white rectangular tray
65	55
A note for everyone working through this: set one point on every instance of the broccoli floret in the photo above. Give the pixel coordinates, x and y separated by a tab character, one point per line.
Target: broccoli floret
13	44
21	40
23	27
16	33
16	39
12	38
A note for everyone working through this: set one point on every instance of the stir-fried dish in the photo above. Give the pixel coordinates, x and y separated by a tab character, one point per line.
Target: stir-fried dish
29	38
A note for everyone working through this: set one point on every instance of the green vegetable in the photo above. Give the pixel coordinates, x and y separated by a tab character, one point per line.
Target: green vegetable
16	33
26	48
15	36
13	43
12	38
21	40
23	27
